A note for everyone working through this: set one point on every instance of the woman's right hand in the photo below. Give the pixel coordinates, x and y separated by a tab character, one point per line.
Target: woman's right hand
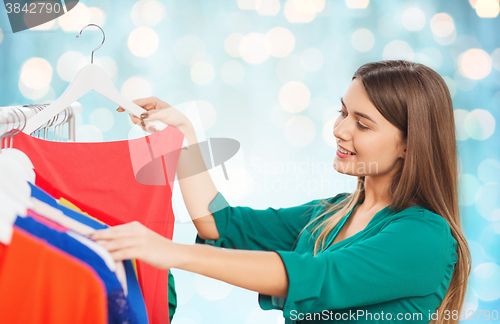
158	110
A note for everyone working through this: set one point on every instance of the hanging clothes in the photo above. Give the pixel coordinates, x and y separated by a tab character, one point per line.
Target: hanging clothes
118	307
116	182
172	294
134	295
42	284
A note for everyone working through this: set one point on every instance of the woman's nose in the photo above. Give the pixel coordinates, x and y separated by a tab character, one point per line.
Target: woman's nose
342	130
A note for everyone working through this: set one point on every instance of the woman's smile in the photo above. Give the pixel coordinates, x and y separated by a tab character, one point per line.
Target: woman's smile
343	153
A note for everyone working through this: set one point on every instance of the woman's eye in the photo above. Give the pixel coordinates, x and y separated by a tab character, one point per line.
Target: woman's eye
361	126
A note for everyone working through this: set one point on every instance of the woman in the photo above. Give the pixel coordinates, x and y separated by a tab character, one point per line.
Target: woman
391	251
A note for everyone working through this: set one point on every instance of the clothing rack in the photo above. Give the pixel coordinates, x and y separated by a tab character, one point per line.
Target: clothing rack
19	114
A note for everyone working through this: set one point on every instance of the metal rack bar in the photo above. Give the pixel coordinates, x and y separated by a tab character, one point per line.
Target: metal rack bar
29	111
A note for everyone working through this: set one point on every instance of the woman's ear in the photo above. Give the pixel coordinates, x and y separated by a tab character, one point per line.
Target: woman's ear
403	147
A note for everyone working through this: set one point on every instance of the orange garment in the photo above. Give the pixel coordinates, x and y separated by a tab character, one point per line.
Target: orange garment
42	284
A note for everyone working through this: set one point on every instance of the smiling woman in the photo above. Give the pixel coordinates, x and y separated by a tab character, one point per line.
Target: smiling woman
398	116
391	250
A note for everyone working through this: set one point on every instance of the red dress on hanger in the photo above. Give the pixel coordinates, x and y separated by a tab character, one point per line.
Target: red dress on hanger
116	182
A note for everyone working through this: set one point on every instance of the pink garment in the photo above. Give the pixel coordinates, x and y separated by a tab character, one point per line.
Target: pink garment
46	221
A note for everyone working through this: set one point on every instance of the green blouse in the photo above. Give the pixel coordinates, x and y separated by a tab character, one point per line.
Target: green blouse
397	269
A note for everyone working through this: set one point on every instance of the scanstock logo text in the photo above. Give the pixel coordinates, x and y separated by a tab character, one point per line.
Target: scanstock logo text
25	14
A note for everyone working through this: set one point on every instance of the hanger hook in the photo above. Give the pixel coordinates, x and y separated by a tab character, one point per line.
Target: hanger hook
95	49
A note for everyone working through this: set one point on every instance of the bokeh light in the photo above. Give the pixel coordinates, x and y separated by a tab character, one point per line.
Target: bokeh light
474	64
430	56
485	279
143	41
468	186
255	48
489	170
108	64
327	132
297	13
362	40
495	56
97	16
480	124
75	19
102	118
294	96
247	4
202	73
398	50
443	29
300	131
36	73
357	4
88	134
232	44
135	88
69	64
148	13
282	41
267	7
413	19
460	115
487	8
488	199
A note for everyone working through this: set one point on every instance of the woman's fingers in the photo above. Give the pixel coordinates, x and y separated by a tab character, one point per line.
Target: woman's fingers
135	120
126	254
119	231
153	105
120	243
158	114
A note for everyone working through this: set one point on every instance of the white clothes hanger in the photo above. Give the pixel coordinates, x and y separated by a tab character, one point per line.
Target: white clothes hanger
90	77
16	156
13	178
15	192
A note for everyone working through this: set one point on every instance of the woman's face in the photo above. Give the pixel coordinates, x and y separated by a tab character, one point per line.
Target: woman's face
361	129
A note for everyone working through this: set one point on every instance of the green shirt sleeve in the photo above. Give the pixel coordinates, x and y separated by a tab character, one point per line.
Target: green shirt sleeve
409	257
257	229
172	296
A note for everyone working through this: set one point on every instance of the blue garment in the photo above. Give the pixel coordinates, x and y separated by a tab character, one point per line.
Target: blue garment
118	307
134	297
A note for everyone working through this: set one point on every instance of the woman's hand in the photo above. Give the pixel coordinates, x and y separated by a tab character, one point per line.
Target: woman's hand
158	110
136	241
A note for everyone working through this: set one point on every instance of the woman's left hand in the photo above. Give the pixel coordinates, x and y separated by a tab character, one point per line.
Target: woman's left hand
136	241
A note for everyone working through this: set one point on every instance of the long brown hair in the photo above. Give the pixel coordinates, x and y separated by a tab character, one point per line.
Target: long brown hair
416	100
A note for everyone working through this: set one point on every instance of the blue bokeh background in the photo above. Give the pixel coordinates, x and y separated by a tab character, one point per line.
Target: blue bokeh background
270	74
